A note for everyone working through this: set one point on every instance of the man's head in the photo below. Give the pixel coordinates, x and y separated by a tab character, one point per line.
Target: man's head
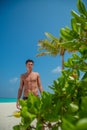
31	61
29	64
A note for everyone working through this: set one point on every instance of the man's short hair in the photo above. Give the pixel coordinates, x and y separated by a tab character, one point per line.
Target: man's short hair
29	61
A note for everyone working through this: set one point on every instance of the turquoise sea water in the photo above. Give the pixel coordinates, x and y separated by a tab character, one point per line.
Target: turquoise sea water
3	100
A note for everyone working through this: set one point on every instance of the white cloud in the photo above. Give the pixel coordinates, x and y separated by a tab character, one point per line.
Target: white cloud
57	70
13	80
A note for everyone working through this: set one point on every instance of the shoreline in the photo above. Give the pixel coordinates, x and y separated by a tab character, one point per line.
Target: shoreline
7	121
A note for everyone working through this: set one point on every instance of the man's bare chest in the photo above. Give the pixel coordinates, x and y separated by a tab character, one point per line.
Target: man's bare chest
30	78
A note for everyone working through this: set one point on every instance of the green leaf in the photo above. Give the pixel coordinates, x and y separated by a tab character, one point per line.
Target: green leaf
66	125
16	127
52	38
74	107
82	124
65	34
74	25
23	102
78	18
39	125
84	76
81	7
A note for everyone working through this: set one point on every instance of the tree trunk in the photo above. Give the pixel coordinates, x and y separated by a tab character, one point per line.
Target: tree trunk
62	62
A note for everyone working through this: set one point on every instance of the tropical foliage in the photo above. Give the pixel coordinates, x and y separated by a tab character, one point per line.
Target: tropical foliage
51	46
66	107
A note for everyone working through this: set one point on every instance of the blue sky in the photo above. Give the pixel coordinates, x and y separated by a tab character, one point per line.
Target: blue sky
22	24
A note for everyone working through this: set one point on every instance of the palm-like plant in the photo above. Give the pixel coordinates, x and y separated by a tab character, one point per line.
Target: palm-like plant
51	46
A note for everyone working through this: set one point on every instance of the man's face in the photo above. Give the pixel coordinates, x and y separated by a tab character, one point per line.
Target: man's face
29	66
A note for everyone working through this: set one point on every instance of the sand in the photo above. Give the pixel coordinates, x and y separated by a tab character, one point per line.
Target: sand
6	120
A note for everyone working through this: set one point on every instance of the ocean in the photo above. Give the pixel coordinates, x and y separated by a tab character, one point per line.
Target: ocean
3	100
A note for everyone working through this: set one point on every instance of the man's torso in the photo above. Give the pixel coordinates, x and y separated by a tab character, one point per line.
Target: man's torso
30	83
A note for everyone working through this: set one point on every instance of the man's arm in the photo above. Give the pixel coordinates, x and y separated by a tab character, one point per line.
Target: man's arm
20	91
39	84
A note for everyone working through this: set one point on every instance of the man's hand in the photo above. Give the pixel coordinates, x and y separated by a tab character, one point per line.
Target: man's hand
18	105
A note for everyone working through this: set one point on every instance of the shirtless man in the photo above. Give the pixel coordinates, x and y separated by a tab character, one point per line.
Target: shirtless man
29	82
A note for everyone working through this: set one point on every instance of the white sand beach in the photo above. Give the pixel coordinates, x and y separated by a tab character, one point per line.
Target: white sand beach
6	120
